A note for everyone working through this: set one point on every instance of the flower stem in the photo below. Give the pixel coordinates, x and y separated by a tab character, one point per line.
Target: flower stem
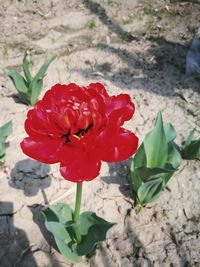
77	209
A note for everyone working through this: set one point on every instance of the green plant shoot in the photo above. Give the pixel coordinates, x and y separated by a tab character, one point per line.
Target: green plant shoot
5	131
76	235
29	87
191	148
155	162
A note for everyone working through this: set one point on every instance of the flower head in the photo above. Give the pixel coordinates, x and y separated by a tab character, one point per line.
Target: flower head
79	127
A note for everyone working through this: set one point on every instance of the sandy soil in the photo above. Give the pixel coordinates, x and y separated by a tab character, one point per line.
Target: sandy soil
132	47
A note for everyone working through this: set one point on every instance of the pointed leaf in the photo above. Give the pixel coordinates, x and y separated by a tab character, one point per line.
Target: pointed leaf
67	250
40	74
140	157
166	178
18	81
149	173
136	181
191	148
174	157
5	130
189	138
63	212
155	145
36	88
93	230
150	190
2	150
26	68
138	161
192	151
170	132
37	81
56	219
2	158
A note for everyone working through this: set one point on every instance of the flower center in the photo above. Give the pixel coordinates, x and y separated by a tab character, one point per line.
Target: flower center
79	117
78	135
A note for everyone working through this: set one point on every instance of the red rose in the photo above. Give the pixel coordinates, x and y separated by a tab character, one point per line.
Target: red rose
79	127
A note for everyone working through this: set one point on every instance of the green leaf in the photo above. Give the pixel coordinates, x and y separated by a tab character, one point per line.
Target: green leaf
93	230
136	181
138	161
5	130
67	250
191	148
36	88
140	157
192	151
155	145
18	81
170	132
2	150
26	68
2	159
63	212
40	74
155	162
56	221
149	173
150	190
189	138
37	82
174	157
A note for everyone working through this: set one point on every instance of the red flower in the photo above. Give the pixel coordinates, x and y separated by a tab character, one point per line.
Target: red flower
79	127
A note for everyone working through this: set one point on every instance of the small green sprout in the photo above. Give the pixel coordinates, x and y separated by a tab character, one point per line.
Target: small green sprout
28	87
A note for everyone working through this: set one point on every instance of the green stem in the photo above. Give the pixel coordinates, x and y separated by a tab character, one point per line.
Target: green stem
77	209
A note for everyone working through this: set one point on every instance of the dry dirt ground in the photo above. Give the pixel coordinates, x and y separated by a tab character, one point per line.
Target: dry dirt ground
134	47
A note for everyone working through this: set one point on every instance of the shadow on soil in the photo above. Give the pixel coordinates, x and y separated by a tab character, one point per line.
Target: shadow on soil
126	250
181	248
39	220
160	68
15	249
30	176
119	174
100	11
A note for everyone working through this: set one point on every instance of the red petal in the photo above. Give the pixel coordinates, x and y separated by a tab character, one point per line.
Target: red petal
38	120
99	88
123	145
45	151
120	103
59	93
35	133
79	169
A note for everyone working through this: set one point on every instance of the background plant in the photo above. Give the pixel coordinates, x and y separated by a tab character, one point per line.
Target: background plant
191	148
5	131
29	87
155	162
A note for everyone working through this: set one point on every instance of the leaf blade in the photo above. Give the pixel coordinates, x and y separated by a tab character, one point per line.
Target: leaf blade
37	82
18	81
6	130
155	145
150	190
93	230
26	68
